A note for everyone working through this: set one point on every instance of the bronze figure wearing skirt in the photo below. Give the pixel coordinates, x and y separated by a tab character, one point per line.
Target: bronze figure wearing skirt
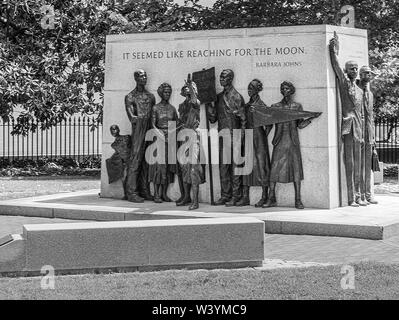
286	164
162	174
192	172
261	159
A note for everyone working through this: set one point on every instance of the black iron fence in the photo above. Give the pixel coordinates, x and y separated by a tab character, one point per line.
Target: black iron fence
74	138
387	140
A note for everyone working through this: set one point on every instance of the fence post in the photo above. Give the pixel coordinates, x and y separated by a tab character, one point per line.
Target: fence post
79	139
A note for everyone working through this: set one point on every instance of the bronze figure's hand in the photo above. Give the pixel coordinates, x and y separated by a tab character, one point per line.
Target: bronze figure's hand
316	115
133	119
334	44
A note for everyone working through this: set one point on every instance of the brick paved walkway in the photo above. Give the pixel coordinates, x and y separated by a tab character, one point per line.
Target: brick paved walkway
280	250
330	249
14	188
13	224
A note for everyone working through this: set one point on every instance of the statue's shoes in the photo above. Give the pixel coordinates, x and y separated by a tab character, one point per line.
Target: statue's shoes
231	203
147	197
243	202
193	206
299	204
361	203
353	204
221	202
135	198
166	199
260	203
158	200
371	201
184	202
270	203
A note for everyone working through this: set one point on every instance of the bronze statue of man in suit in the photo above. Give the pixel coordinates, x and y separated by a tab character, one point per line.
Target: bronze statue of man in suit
229	111
352	123
138	103
369	138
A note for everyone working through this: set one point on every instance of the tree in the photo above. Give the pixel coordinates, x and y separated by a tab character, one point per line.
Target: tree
380	18
385	87
50	74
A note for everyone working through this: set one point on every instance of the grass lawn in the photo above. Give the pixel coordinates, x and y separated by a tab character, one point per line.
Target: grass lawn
372	281
21	187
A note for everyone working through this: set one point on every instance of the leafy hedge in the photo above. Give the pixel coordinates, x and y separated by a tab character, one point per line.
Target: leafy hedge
88	166
390	170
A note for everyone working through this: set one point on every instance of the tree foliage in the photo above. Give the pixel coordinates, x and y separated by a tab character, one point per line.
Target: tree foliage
386	84
49	74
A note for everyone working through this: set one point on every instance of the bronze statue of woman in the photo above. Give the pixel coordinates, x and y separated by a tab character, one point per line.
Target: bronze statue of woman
162	174
192	172
261	159
286	164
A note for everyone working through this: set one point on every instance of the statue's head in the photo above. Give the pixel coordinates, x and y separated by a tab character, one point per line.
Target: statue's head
226	77
366	74
140	76
114	129
287	89
185	90
254	87
165	91
351	69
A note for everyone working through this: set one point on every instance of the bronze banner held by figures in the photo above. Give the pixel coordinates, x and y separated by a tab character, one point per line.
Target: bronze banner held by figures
268	116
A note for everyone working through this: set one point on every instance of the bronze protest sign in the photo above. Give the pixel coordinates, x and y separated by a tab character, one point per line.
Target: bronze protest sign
205	81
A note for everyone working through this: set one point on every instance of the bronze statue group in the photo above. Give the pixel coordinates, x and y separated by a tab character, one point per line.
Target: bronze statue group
357	127
231	112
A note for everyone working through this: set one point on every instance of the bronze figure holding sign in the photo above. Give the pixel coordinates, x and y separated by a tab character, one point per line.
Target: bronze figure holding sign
286	164
192	172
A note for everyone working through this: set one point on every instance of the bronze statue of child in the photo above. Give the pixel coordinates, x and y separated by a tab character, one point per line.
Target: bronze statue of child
117	163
